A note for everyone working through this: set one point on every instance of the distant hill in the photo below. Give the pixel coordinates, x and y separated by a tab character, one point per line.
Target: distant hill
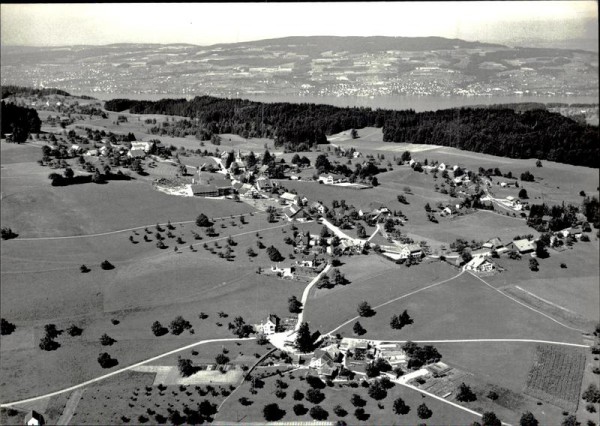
310	66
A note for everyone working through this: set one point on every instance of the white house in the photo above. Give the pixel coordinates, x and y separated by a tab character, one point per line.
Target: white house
480	264
285	272
270	326
331	178
33	418
144	146
290	198
411	250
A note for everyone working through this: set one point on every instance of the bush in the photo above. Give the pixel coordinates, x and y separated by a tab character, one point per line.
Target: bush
158	329
106	265
318	413
357	401
400	407
465	394
490	419
73	330
178	325
300	410
272	412
84	269
106	340
424	412
527	419
7	233
314	396
339	411
6	327
106	361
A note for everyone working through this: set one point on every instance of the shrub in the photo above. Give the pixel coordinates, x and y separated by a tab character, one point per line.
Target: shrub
400	407
300	410
73	330
314	396
465	394
318	413
272	412
6	327
158	329
106	361
424	412
106	340
106	265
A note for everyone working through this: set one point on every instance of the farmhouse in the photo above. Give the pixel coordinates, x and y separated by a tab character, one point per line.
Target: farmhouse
137	153
494	244
411	250
523	246
33	418
320	208
300	214
480	264
290	198
285	272
144	146
332	178
270	326
264	184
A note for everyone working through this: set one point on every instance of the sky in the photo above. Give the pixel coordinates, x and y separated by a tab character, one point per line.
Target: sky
508	22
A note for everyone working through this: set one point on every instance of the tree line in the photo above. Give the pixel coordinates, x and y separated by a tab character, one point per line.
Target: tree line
505	132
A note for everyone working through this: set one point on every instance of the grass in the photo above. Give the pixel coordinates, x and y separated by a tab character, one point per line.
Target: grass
373	279
463	308
556	376
234	411
575	288
147	284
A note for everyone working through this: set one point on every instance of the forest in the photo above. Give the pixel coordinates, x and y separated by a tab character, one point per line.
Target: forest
19	121
11	90
504	132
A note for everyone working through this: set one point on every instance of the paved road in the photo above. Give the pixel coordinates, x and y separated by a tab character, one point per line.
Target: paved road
485	341
121	370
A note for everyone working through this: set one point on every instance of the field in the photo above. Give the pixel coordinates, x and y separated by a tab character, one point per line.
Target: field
463	308
556	376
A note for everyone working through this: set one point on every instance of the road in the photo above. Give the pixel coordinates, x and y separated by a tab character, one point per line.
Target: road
548	342
121	230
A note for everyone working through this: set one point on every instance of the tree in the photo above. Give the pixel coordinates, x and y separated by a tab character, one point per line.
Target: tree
106	340
178	325
294	305
6	327
68	173
250	252
377	391
314	396
297	395
523	194
538	163
318	413
240	328
533	265
203	221
300	409
358	329
528	419
158	329
84	269
365	310
274	254
360	231
73	330
106	361
489	418
322	163
339	411
400	407
465	394
424	412
272	412
6	233
357	401
48	344
570	420
304	340
185	367
106	265
354	134
51	331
